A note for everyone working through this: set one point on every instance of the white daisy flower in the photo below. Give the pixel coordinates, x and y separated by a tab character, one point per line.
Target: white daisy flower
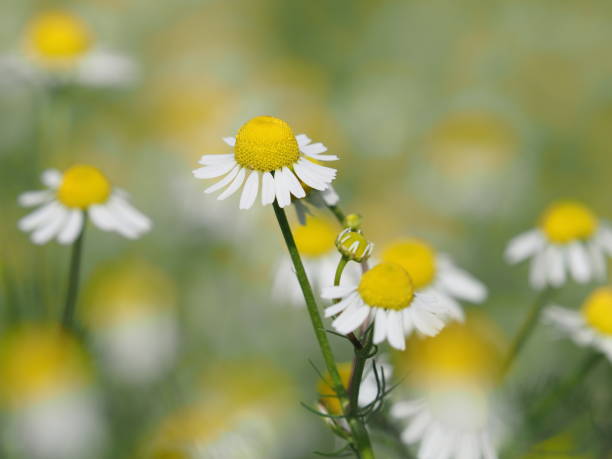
315	242
58	48
267	151
591	326
80	191
435	274
450	423
386	295
570	240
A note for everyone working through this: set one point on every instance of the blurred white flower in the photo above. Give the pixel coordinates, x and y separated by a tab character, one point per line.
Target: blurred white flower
386	295
80	191
591	326
59	49
267	148
570	239
435	274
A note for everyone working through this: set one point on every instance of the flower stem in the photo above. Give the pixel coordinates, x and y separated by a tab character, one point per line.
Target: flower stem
73	279
337	213
526	329
359	433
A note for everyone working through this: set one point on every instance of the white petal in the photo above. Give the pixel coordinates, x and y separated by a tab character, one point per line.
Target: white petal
407	322
231	141
604	239
51	178
330	197
249	193
337	291
451	307
281	188
39	216
425	322
395	333
230	190
128	213
598	261
72	228
224	181
50	229
214	171
538	272
306	176
351	318
380	326
416	428
461	284
302	139
326	174
578	261
267	189
210	160
313	149
406	409
556	265
101	217
293	183
342	305
34	198
523	246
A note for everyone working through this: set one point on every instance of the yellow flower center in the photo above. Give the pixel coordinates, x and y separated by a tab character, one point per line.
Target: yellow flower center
58	36
266	143
328	395
567	221
597	310
388	286
83	186
316	238
416	257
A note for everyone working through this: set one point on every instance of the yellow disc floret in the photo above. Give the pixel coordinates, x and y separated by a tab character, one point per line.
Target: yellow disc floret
266	143
416	257
388	286
566	221
597	310
83	186
329	398
58	36
316	238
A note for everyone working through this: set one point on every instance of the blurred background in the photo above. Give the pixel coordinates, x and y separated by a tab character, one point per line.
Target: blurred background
454	121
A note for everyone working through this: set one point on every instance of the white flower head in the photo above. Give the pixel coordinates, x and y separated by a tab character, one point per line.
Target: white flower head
591	326
315	242
274	159
58	47
386	295
451	422
435	274
570	239
81	190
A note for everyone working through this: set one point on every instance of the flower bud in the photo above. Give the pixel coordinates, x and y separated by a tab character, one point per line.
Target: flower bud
353	245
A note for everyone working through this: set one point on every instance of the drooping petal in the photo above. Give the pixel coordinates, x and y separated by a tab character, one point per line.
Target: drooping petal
230	190
578	261
267	189
72	228
249	193
523	246
283	197
224	181
293	183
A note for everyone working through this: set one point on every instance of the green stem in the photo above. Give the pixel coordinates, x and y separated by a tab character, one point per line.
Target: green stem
337	213
360	435
526	329
73	279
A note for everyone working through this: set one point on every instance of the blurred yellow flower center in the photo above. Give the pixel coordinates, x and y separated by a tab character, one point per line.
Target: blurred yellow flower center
388	286
416	257
83	186
316	238
597	310
266	143
58	35
328	394
567	221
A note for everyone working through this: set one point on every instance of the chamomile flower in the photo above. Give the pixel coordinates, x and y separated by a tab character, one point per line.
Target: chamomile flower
274	159
435	274
451	422
386	295
315	242
570	239
81	190
59	47
591	326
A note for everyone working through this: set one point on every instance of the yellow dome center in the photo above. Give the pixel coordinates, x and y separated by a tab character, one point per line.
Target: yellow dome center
316	238
83	186
387	286
416	257
58	36
597	310
266	143
566	221
328	395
